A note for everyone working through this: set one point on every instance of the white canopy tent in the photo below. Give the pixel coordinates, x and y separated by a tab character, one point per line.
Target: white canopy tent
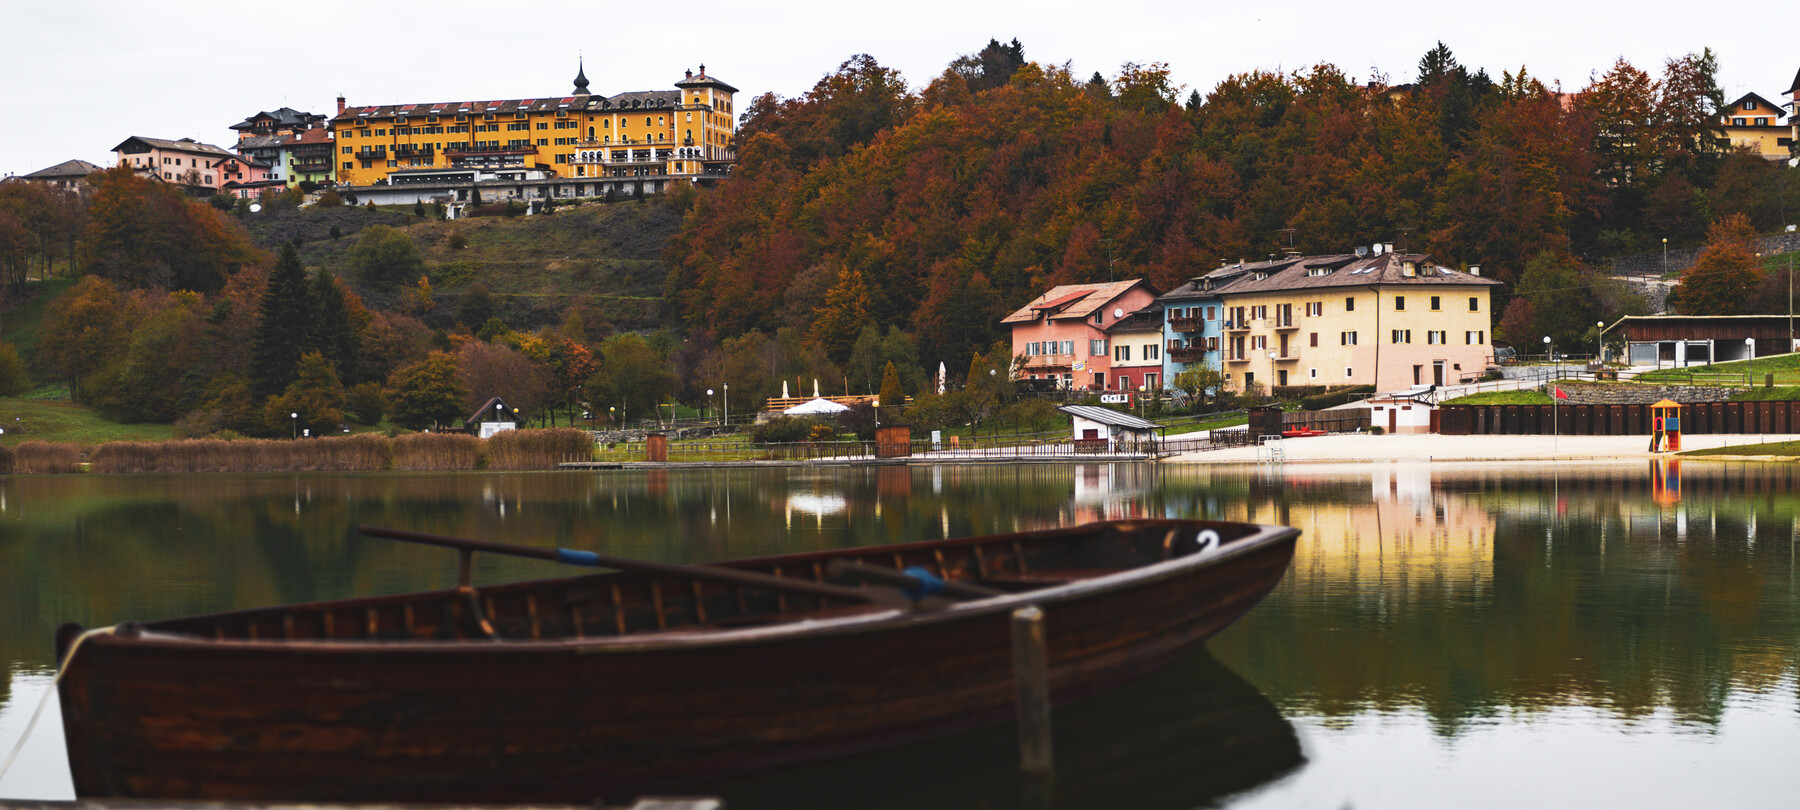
816	406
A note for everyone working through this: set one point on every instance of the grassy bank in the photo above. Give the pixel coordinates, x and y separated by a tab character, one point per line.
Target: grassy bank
1784	449
46	415
1503	398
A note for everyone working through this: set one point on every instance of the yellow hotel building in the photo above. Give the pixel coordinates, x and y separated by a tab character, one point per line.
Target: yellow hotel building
686	132
1376	317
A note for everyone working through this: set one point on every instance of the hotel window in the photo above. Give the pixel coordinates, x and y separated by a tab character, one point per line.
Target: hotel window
1098	316
1068	347
347	164
347	150
1346	338
1259	343
1474	304
1315	309
1350	305
543	125
1096	347
1210	314
1152	351
1315	339
1312	373
1399	303
1437	337
1434	303
1349	372
1402	336
1474	338
1122	354
1212	344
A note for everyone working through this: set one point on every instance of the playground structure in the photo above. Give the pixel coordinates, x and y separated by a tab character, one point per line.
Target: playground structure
1665	427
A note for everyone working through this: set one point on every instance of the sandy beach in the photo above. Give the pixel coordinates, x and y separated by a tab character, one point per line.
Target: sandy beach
1432	447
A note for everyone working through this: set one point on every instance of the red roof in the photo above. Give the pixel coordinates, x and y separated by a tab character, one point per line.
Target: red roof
1067	299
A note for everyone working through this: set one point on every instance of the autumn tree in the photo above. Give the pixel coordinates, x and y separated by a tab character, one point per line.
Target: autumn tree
892	395
842	315
385	258
146	233
489	370
632	377
84	329
991	67
1723	278
427	393
162	373
316	394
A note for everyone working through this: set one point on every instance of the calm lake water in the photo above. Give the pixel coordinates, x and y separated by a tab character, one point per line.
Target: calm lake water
1449	635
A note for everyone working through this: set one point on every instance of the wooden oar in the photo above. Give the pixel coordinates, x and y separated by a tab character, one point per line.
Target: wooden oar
733	576
911	581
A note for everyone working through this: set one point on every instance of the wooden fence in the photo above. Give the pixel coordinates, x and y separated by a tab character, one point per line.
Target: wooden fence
1615	420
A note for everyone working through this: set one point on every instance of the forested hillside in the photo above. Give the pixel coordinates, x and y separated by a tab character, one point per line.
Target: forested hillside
874	221
937	211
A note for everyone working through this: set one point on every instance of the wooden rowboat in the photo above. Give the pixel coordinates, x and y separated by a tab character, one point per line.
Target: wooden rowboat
650	678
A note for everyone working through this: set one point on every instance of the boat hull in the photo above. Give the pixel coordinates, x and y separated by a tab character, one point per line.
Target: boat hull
576	720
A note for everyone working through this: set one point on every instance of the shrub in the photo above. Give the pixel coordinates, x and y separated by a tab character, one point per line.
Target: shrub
437	451
367	401
458	241
13	379
44	458
199	424
6	460
538	449
330	199
821	433
782	430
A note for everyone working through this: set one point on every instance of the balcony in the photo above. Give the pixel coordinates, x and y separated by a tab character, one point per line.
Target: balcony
1287	323
1188	355
1234	326
1237	358
372	154
1290	357
1187	324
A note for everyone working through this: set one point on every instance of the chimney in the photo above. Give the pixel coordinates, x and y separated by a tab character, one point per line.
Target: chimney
340	105
1474	269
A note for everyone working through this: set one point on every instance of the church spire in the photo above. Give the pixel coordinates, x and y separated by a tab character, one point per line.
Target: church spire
581	81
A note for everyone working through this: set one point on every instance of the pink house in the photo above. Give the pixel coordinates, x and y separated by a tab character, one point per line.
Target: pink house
201	167
1062	334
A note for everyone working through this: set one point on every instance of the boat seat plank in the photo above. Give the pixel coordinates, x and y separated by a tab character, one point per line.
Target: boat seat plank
1044	579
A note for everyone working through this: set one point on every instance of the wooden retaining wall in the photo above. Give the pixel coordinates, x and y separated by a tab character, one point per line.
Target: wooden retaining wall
1615	420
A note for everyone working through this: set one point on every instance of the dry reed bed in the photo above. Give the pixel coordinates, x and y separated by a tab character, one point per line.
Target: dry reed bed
437	451
46	458
538	449
513	450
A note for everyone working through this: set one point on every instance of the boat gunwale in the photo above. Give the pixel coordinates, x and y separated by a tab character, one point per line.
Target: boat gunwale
802	627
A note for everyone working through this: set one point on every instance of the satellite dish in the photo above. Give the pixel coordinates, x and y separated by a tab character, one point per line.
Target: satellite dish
255	207
1118	313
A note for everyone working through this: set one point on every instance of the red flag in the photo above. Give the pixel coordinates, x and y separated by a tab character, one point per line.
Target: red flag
1559	393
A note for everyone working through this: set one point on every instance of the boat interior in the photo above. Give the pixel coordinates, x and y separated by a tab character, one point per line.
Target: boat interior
635	603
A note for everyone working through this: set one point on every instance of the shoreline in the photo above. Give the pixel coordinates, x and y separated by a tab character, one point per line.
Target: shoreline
1364	447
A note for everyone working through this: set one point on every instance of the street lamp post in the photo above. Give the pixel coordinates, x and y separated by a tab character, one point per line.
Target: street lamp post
1665	264
709	393
1549	355
727	404
1600	345
1750	354
295	416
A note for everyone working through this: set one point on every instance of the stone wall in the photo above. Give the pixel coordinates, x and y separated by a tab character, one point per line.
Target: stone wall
1585	393
1650	264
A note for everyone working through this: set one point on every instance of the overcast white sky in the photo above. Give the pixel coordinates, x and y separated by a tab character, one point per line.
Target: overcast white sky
79	76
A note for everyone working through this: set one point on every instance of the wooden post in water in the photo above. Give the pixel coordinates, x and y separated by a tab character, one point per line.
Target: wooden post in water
1031	674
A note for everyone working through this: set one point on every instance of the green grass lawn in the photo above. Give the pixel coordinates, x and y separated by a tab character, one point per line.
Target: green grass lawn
50	420
1785	367
1766	449
1503	398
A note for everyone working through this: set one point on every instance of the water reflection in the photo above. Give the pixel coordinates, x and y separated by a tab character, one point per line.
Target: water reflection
1179	738
1658	599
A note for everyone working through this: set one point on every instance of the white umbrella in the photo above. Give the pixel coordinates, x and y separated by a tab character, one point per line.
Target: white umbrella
943	374
784	394
816	406
815	387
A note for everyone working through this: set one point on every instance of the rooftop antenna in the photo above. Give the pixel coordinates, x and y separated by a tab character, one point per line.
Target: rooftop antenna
1290	240
1109	258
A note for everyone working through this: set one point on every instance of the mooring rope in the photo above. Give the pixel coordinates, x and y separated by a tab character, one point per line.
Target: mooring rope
45	700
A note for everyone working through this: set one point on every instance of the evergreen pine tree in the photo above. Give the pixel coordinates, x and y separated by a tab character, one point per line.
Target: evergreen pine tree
332	336
284	321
